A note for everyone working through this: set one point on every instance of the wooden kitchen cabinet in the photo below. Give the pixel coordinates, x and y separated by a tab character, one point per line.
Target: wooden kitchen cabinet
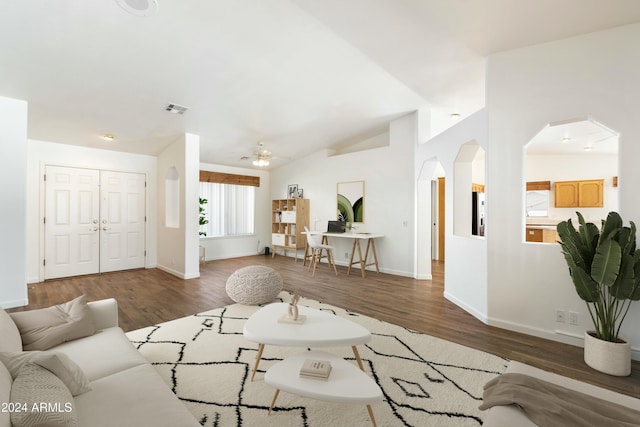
579	194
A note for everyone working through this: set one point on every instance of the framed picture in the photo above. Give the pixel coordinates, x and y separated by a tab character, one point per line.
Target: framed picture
351	201
292	191
300	193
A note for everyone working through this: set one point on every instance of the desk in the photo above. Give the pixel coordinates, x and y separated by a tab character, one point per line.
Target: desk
356	237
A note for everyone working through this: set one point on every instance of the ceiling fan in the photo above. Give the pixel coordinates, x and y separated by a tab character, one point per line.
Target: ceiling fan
261	156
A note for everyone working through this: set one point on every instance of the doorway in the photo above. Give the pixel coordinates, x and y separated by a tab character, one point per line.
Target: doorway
94	221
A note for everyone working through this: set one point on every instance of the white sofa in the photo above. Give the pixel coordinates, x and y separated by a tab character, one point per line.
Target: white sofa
125	389
510	416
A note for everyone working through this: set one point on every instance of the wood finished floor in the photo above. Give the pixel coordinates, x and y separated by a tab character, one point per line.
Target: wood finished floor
147	297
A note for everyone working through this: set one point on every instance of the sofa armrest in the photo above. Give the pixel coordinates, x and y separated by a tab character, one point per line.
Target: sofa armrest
104	312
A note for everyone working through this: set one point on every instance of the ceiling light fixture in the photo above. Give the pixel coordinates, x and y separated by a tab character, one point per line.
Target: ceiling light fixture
566	139
108	137
455	116
261	162
143	8
588	148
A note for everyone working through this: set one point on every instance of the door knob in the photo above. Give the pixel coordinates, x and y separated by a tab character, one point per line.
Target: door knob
93	229
106	228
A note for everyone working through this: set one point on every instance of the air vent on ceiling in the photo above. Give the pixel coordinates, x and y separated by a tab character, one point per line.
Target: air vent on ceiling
176	109
144	8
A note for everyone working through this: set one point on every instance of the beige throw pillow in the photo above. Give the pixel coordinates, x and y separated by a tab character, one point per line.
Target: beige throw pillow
58	363
40	399
48	327
9	332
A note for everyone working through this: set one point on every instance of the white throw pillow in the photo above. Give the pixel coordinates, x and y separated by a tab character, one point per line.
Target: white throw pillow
58	363
40	399
47	327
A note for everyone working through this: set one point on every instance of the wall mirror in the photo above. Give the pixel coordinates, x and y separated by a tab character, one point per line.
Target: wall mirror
351	201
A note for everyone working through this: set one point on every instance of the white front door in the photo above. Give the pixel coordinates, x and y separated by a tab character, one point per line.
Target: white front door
122	220
94	221
72	213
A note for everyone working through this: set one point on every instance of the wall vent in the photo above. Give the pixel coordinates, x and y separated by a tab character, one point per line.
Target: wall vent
176	109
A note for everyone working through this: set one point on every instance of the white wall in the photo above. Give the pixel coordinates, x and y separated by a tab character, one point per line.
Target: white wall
546	167
178	246
596	75
13	224
389	193
465	256
42	153
231	247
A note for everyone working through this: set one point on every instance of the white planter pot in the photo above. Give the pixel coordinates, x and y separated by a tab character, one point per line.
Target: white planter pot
608	357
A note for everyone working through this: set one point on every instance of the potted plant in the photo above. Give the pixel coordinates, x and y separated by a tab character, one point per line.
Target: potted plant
604	265
203	219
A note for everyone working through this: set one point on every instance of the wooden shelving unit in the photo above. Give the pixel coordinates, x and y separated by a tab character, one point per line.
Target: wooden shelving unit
288	219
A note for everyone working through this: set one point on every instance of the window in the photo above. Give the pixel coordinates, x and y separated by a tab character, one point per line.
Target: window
230	209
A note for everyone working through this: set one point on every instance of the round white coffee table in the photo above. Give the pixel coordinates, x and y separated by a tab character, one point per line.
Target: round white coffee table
320	329
346	383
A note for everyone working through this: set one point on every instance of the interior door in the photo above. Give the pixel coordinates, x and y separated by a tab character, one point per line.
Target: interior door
71	222
122	221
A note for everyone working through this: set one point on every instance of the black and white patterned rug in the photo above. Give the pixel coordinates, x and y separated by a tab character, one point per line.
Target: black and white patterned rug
426	381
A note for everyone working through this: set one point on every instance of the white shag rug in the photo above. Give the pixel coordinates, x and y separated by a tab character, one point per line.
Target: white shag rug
206	361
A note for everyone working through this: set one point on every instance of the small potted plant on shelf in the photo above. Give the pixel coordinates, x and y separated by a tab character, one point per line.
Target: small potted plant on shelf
604	265
203	219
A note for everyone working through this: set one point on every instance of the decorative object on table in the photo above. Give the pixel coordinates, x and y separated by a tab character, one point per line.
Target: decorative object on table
605	268
316	369
203	217
350	227
292	191
293	315
351	201
190	351
300	193
253	285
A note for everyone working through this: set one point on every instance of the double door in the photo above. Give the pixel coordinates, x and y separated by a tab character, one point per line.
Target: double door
94	221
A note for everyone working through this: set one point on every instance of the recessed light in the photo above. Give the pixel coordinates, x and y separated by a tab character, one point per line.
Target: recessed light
108	137
455	116
566	139
588	148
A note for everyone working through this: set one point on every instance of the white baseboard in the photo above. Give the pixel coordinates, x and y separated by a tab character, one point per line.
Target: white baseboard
472	311
14	303
557	335
178	273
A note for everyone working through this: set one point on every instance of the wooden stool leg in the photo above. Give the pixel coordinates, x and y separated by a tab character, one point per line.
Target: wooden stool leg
373	419
355	352
258	357
273	402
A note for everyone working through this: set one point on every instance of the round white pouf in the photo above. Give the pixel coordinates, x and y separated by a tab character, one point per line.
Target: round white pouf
254	285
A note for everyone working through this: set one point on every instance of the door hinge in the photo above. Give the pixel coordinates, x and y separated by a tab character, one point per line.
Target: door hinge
45	176
44	220
145	184
145	253
44	262
145	218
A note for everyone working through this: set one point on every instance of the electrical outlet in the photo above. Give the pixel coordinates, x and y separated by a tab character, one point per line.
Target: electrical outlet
561	315
346	255
573	318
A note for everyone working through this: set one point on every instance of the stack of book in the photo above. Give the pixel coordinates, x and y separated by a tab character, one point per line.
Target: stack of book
316	369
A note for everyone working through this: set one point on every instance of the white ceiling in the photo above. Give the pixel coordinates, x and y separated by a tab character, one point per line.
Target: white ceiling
576	136
300	75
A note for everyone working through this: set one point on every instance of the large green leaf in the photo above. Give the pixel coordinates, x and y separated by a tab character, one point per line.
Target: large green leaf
624	286
572	245
586	287
588	232
610	227
606	262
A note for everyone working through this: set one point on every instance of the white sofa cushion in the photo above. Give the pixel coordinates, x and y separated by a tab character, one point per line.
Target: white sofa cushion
132	398
47	327
9	332
104	353
5	394
58	363
34	387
